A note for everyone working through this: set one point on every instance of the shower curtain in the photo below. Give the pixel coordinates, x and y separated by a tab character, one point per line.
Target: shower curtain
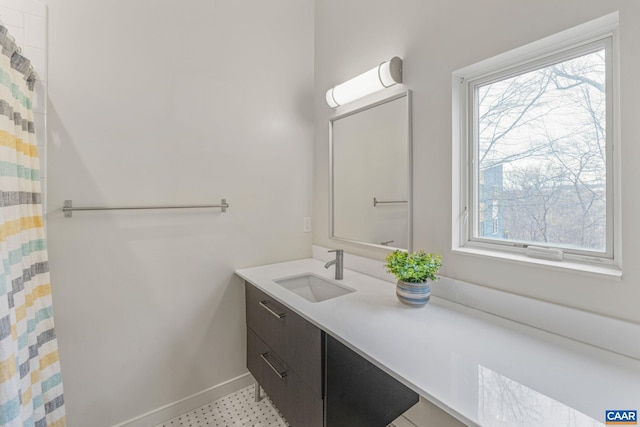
30	381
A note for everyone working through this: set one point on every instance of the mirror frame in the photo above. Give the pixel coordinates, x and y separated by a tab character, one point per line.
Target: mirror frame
404	94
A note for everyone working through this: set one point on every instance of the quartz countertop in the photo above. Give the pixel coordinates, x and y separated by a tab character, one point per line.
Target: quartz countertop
482	369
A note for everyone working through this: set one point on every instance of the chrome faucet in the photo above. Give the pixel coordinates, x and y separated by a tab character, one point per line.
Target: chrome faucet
339	263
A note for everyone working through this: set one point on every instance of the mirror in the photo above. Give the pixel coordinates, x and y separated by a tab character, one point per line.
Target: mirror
370	162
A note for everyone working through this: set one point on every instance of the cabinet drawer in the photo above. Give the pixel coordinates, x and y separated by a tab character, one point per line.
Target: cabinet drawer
297	342
299	405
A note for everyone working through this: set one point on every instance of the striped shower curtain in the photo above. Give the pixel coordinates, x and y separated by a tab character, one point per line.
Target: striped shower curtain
30	382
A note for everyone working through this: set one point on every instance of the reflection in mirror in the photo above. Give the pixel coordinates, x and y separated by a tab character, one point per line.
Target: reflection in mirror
371	174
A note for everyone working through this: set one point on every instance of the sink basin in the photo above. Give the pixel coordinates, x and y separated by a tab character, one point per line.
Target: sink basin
312	287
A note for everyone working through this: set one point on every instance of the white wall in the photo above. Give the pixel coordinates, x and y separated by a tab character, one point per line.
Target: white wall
435	38
170	102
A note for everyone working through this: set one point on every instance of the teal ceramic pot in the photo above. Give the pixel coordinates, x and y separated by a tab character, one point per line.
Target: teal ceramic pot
413	294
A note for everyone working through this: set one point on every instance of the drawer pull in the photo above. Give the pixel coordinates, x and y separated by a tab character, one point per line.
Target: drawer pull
280	374
264	305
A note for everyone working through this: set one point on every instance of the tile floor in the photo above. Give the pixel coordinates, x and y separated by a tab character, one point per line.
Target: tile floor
238	409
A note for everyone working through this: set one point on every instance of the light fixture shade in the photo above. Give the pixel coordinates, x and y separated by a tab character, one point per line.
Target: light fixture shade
386	74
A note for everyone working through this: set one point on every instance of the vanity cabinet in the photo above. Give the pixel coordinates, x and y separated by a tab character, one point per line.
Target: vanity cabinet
312	378
284	355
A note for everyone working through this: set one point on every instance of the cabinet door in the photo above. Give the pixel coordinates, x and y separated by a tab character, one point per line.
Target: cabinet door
293	398
296	341
359	394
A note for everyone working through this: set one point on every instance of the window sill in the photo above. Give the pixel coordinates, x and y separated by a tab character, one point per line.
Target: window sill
604	271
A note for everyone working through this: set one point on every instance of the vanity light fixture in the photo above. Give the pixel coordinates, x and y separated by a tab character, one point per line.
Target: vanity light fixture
383	76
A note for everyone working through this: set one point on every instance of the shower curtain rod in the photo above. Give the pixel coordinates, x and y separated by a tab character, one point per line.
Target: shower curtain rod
68	207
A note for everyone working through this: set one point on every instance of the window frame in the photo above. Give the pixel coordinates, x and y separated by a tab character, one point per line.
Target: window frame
581	40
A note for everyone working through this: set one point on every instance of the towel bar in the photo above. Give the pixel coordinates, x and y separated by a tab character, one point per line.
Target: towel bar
68	207
377	202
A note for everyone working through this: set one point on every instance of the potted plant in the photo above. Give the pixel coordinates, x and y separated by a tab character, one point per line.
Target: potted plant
413	272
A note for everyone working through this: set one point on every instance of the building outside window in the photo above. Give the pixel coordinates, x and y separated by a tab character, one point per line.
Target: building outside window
536	148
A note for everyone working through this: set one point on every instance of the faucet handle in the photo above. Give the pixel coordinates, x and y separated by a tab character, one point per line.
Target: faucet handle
337	251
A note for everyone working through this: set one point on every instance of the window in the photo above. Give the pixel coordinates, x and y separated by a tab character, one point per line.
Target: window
535	151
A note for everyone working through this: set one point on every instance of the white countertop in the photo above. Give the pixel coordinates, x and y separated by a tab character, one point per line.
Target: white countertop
482	369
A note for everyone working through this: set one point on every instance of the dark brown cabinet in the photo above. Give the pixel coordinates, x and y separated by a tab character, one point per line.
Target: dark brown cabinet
284	354
314	380
293	339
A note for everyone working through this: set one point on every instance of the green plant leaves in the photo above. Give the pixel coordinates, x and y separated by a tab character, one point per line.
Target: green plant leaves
415	267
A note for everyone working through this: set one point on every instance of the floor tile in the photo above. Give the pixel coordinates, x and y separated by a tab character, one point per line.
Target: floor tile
238	409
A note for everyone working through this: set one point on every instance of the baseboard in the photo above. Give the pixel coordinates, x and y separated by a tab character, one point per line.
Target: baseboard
189	403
